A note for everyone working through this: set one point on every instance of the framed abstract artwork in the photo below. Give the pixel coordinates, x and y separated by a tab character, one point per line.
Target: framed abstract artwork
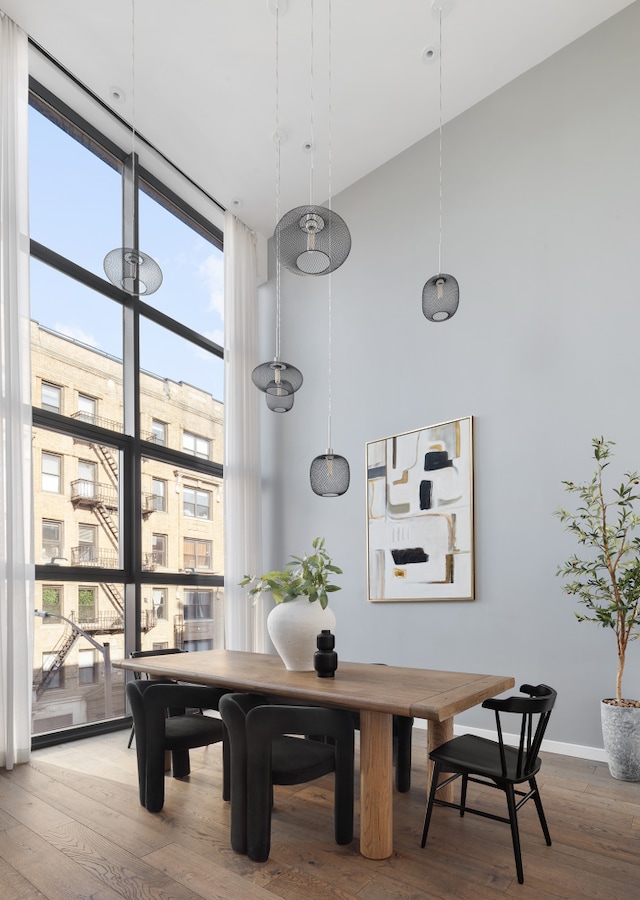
420	514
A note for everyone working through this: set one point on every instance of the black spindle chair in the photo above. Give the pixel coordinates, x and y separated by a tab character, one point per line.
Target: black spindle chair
495	764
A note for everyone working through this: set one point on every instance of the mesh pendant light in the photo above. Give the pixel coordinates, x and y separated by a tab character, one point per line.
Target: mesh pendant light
277	379
312	240
133	271
329	473
441	293
128	267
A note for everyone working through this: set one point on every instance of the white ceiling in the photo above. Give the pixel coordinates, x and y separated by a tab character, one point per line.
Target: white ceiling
205	82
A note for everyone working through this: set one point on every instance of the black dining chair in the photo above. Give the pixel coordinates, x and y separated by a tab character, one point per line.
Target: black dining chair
496	764
267	747
138	654
165	718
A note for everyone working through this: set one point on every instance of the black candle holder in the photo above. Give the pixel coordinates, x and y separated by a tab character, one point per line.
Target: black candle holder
325	659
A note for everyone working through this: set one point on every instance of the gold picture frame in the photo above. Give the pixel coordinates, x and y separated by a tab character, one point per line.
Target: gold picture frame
420	541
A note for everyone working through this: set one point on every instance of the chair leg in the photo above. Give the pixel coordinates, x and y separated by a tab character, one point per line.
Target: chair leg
538	802
515	836
463	794
403	753
133	731
226	767
181	765
432	795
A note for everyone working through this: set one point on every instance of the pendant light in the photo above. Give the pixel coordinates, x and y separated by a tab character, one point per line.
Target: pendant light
441	293
128	267
312	240
277	379
329	473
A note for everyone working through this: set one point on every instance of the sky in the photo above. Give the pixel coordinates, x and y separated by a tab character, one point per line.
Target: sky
76	209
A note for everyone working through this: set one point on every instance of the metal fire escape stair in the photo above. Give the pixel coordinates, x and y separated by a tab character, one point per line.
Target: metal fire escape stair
61	651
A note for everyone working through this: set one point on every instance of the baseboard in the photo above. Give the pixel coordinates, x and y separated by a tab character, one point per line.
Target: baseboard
597	754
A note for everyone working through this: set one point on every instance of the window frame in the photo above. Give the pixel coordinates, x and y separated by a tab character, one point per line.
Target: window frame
58	475
131	444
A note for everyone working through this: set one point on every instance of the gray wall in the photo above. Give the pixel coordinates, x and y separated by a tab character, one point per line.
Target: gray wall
541	228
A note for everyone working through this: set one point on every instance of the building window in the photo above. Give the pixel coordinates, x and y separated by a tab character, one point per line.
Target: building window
51	472
197	554
51	397
159	493
87	478
195	445
159	549
87	409
51	539
198	605
51	602
86	604
87	668
160	645
160	603
196	504
87	544
159	432
56	679
202	644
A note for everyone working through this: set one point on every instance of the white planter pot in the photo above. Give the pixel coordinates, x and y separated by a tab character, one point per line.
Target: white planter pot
294	626
621	734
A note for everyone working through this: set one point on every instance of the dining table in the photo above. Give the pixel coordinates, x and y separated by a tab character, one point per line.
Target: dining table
376	692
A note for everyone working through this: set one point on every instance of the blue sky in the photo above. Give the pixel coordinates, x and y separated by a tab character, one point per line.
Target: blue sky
76	208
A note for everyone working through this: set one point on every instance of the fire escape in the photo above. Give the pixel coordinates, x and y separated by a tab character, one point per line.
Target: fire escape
102	500
60	651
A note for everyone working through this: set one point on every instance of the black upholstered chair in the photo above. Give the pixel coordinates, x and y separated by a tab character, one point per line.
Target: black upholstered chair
137	654
162	722
495	764
265	751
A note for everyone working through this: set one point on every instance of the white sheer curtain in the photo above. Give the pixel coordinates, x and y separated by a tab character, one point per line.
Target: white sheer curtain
242	494
16	524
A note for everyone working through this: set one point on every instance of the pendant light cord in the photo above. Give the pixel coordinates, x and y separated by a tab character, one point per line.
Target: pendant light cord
440	136
133	101
311	103
277	143
329	444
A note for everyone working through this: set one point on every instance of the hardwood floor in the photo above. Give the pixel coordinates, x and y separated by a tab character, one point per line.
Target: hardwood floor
71	827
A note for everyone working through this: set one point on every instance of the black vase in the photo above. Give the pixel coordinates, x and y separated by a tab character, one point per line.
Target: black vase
325	659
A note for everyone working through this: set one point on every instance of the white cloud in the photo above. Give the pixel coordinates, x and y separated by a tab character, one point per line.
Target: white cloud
212	271
216	335
72	331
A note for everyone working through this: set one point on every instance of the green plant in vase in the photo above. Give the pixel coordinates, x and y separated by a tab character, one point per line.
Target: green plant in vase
306	576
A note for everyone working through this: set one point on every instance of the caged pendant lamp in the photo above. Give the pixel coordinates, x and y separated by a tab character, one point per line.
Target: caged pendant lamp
277	379
441	293
329	472
312	240
128	267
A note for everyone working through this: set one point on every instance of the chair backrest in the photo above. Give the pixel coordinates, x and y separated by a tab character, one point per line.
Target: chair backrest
535	711
138	654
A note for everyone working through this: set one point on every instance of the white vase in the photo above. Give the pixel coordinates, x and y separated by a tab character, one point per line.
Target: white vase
293	628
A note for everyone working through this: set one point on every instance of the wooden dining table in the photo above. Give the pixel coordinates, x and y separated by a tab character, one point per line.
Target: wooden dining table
376	692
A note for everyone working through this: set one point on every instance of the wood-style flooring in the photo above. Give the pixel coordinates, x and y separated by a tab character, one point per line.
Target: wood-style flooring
71	828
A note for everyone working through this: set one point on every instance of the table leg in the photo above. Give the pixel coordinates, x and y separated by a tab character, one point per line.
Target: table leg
439	733
376	784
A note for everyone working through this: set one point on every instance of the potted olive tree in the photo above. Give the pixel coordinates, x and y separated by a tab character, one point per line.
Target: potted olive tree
604	576
300	592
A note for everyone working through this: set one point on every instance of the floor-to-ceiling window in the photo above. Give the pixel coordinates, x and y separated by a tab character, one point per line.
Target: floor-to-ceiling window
127	422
